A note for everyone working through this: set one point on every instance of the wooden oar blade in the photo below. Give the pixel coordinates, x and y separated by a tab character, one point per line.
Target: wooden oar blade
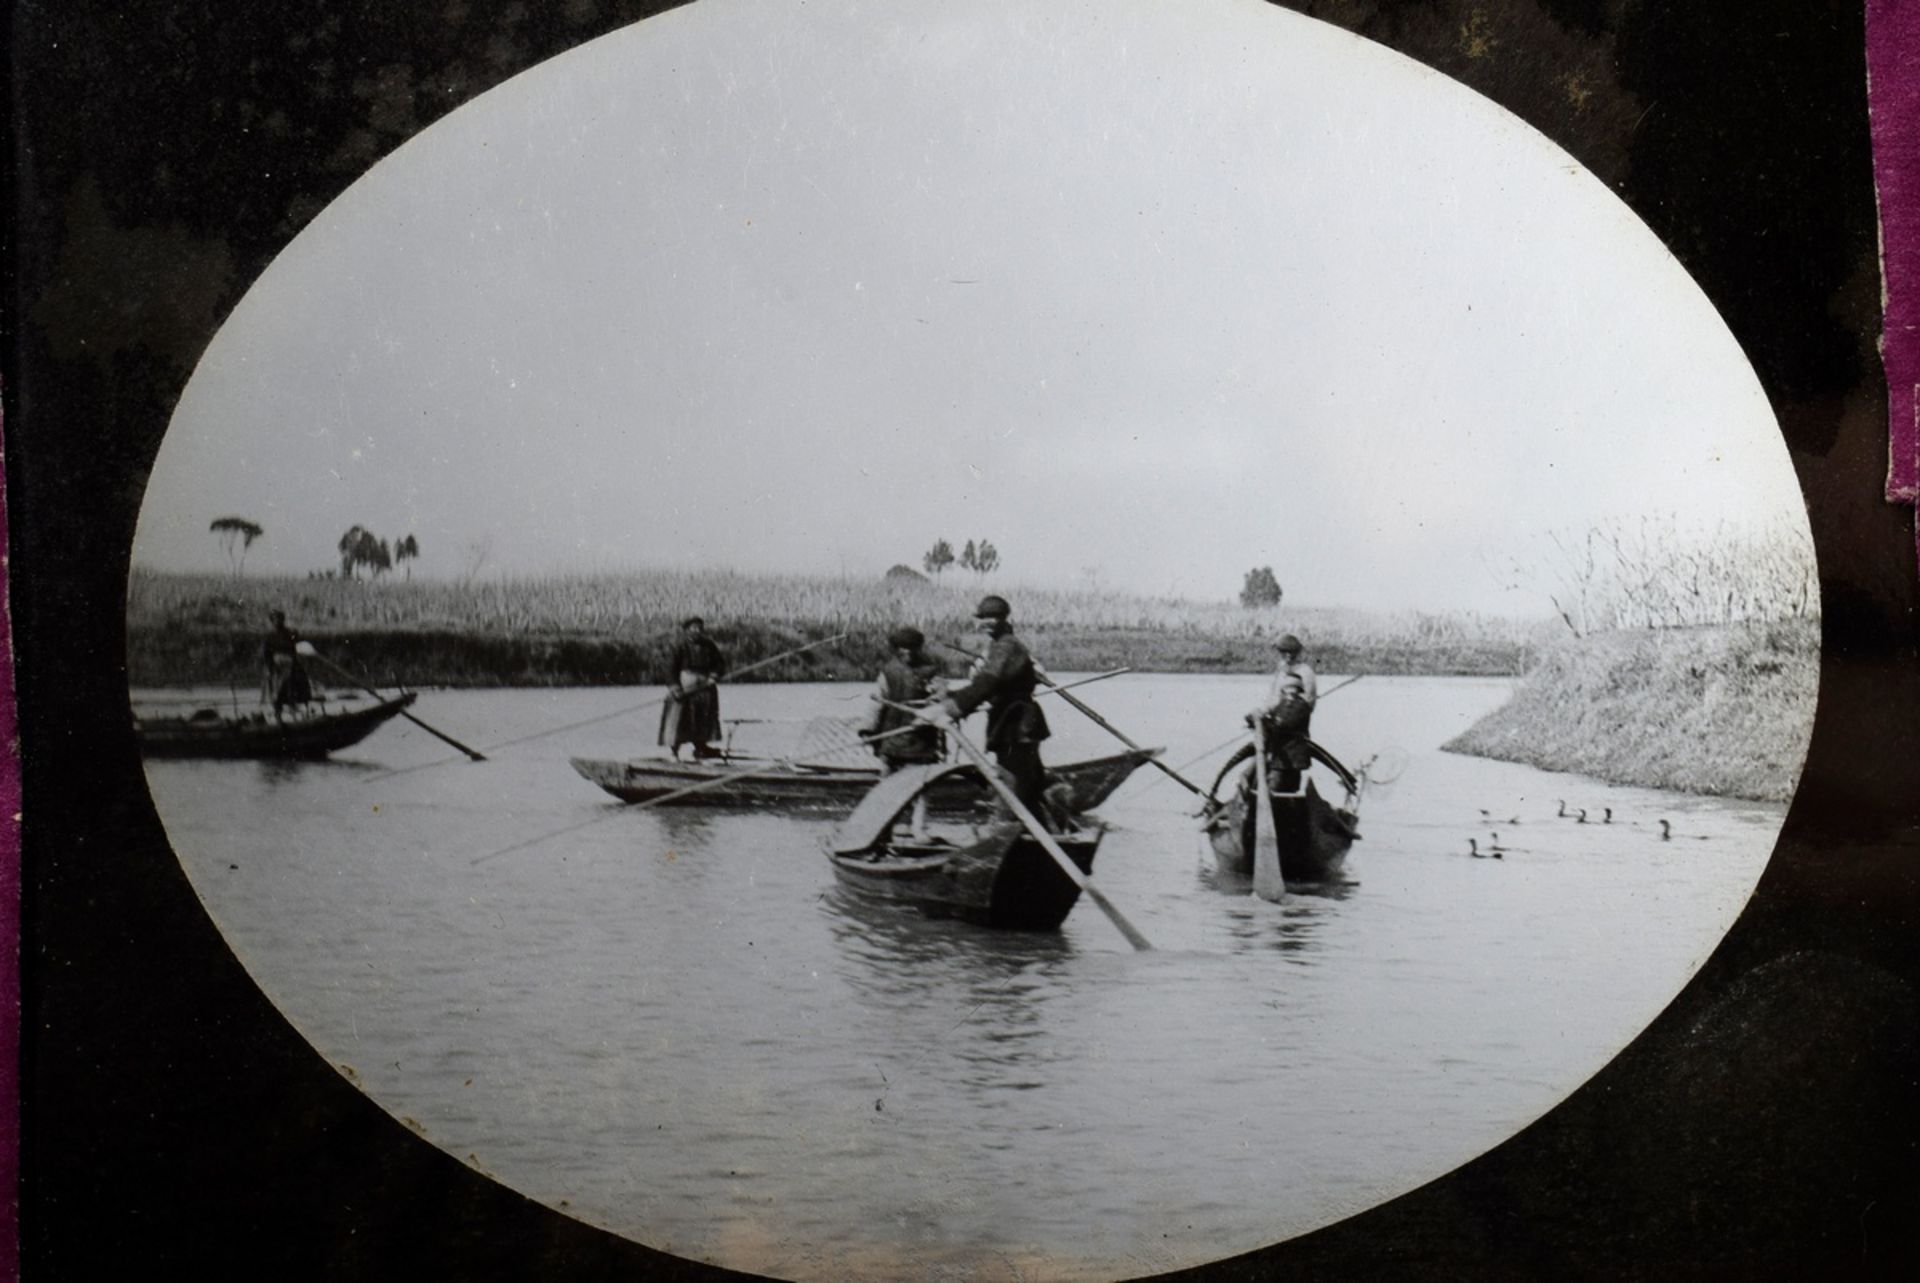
1268	882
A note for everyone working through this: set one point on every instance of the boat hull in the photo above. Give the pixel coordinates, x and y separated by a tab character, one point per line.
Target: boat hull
780	786
210	734
1004	880
1314	835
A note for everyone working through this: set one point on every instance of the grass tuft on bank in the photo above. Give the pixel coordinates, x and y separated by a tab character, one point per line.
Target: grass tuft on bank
1724	709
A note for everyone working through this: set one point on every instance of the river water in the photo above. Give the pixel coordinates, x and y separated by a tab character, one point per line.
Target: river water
674	1024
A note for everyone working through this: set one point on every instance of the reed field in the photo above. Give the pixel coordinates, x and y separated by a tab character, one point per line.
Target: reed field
1720	709
618	629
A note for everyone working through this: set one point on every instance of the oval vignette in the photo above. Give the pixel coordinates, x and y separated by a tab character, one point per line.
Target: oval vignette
737	310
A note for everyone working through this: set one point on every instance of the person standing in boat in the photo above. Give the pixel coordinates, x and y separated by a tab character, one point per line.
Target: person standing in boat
1004	682
285	676
913	678
1288	715
691	714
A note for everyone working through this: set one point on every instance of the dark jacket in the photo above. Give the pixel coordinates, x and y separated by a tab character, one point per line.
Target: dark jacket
697	655
904	683
1004	682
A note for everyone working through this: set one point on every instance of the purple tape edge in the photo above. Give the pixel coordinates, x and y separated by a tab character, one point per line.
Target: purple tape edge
9	912
1893	97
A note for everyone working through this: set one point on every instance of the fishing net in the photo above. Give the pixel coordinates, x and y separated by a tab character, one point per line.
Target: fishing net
1383	767
833	741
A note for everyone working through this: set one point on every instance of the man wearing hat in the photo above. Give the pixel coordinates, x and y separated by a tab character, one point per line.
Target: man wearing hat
1004	682
691	714
1288	714
910	677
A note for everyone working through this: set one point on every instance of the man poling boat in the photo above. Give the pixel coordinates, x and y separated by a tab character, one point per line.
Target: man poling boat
691	714
1004	681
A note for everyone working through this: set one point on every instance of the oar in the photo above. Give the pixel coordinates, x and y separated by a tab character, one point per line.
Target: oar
1268	882
1045	839
1115	731
607	717
473	753
717	781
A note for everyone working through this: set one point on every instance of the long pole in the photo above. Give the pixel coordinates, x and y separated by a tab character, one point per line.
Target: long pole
1046	841
473	753
607	717
1109	727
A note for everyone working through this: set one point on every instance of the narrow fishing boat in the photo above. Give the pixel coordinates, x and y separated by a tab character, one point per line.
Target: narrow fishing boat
1314	834
785	785
995	874
207	732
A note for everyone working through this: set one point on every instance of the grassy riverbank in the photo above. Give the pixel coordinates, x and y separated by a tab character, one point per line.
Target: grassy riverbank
617	630
1724	709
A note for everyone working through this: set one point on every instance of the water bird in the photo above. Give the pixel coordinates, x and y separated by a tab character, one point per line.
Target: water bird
1496	851
1606	815
1580	818
1560	814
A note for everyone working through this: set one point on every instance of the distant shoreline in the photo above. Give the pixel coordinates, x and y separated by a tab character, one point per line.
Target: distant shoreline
186	630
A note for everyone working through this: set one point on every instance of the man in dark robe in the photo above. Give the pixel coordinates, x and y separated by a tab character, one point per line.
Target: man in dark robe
285	676
691	714
1004	682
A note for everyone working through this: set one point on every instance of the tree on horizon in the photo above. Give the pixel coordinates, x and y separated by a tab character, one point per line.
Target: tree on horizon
236	536
1260	588
360	547
938	557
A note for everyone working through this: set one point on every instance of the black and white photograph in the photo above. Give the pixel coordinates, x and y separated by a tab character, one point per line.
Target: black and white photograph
974	640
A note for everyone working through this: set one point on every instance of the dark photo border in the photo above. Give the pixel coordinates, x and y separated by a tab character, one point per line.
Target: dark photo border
1764	1126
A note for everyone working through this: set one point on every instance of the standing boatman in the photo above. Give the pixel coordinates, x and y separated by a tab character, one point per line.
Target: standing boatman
915	679
691	714
285	677
911	679
1005	682
1287	715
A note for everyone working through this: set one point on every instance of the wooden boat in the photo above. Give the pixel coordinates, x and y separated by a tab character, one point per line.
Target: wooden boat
992	875
207	732
1314	834
777	785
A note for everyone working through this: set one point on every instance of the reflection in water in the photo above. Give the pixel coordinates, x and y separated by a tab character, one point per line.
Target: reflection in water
290	773
904	963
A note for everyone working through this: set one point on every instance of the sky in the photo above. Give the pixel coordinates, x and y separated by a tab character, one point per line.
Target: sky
1143	294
